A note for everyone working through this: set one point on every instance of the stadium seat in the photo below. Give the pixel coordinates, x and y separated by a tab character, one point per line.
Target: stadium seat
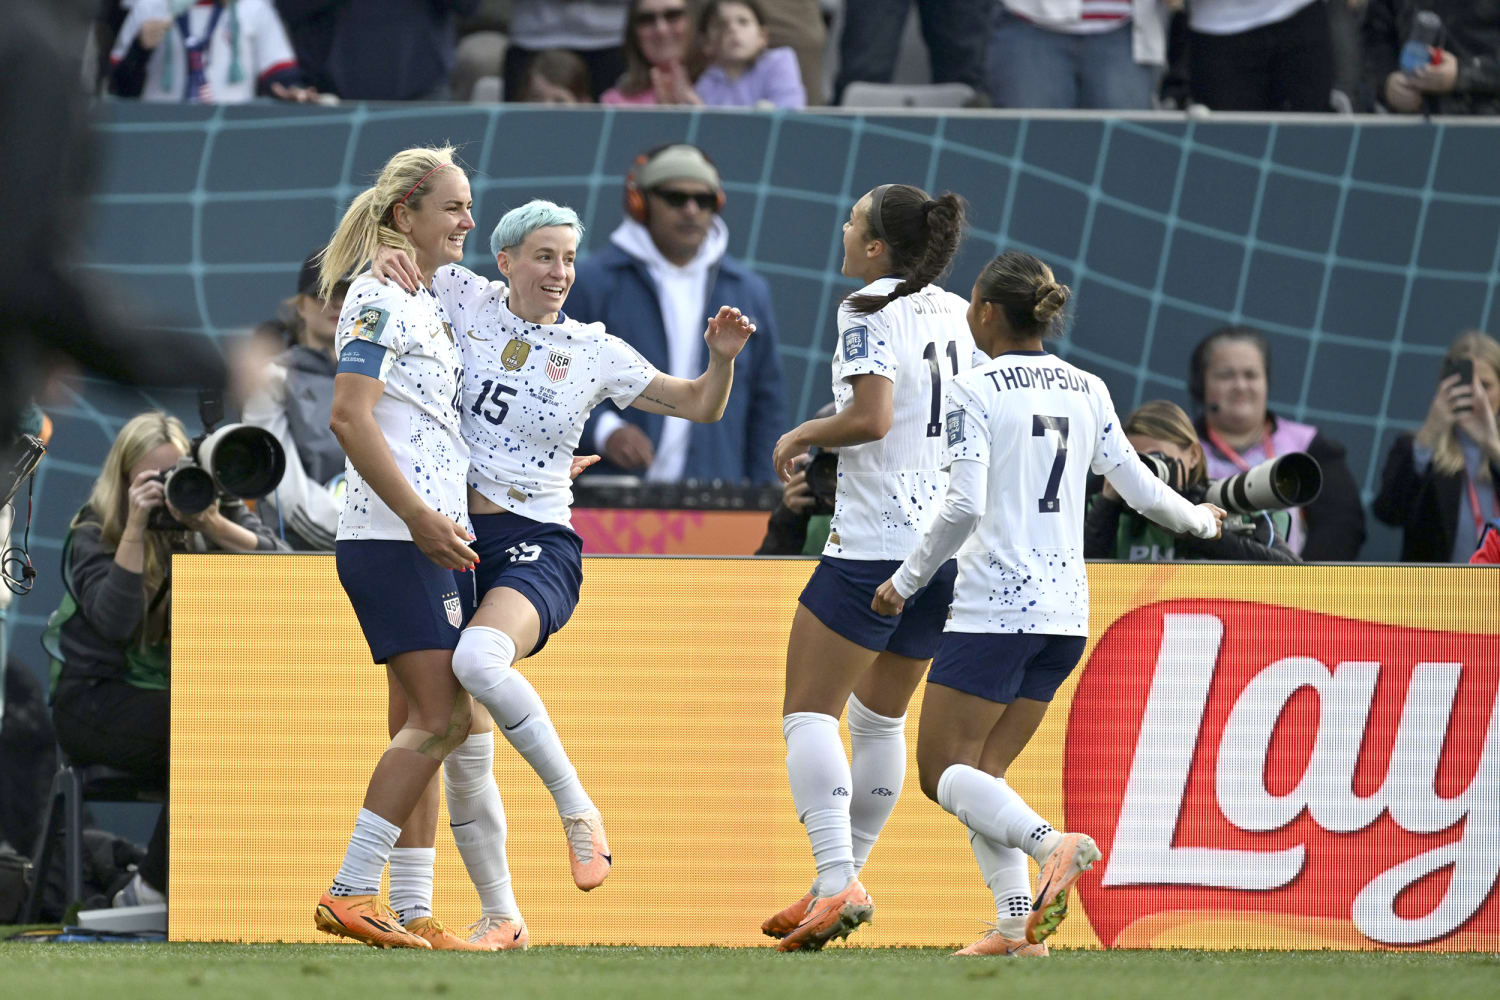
898	95
71	788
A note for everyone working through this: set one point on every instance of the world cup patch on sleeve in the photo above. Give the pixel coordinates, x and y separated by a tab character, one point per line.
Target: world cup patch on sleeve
955	427
370	323
856	343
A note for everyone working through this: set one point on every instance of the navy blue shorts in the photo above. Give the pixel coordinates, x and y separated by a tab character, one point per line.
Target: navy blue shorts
541	560
839	595
403	600
1005	666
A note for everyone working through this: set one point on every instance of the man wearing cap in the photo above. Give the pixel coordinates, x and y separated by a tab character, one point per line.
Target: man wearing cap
294	403
664	272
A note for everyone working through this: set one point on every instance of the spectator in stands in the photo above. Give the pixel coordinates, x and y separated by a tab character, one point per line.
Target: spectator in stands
295	404
221	52
799	25
1260	55
1462	77
954	30
1228	380
557	76
1440	484
649	284
110	637
1101	54
1111	530
657	48
590	31
395	50
742	72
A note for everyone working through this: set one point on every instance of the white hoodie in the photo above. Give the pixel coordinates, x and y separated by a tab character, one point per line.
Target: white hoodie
683	295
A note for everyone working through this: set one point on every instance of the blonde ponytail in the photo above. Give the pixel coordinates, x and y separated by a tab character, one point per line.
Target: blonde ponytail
367	225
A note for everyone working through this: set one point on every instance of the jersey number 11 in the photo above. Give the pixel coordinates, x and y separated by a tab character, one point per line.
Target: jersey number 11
930	355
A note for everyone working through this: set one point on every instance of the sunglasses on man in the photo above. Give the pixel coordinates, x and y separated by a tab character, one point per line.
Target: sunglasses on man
707	201
646	18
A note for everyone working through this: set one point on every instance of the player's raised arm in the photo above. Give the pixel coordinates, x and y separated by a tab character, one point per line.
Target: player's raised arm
702	400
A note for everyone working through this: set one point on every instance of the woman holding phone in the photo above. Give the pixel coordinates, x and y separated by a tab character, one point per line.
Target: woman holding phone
1439	484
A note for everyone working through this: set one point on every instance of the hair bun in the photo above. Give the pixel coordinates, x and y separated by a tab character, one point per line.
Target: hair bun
1050	298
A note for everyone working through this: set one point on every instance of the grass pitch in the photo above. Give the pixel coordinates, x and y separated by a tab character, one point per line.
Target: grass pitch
332	972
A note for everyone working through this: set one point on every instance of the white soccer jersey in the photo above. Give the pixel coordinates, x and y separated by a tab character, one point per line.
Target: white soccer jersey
527	390
888	489
407	342
1037	425
249	36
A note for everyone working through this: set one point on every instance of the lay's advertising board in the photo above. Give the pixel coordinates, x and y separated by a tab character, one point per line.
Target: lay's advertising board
1269	757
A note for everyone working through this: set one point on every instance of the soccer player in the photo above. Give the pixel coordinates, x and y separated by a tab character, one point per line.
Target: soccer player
531	377
1022	432
900	338
404	528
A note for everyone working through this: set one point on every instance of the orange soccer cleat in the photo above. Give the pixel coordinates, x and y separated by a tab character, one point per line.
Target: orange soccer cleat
781	924
500	934
830	917
995	943
364	919
588	851
431	930
1073	856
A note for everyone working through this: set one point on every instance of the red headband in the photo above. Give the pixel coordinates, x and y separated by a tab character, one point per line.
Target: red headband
419	183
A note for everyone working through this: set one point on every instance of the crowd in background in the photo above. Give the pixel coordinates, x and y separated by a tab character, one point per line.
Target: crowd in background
1392	56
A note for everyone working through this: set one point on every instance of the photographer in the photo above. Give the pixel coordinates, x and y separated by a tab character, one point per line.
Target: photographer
1113	531
799	524
109	638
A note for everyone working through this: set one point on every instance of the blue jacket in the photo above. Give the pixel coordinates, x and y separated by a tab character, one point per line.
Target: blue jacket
614	288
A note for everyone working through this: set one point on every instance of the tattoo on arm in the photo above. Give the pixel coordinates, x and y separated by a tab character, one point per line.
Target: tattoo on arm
658	402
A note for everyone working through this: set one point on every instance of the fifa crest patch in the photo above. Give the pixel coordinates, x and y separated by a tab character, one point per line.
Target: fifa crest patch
955	427
856	343
557	365
370	323
515	354
454	612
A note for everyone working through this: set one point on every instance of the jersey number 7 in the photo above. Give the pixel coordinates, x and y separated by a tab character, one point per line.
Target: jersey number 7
1047	503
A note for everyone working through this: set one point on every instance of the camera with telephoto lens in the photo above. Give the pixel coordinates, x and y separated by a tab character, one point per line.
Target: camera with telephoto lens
823	479
1291	480
1166	468
237	460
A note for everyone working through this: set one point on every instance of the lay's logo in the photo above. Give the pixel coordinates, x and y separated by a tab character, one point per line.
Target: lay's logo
1244	763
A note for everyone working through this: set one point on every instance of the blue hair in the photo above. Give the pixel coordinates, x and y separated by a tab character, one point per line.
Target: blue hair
517	224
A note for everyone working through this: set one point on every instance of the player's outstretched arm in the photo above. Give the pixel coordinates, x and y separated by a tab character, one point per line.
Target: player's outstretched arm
1155	499
702	399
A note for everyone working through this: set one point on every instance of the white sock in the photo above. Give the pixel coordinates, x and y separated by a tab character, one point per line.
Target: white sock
369	846
820	780
477	818
411	882
482	664
985	803
1005	872
878	770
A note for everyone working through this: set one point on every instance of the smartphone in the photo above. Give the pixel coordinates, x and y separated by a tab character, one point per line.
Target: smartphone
1464	369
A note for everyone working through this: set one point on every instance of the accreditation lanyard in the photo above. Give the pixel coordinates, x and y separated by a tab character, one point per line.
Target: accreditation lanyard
1474	509
196	52
1234	456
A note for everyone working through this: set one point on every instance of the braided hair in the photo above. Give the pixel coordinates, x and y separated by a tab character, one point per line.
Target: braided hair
921	236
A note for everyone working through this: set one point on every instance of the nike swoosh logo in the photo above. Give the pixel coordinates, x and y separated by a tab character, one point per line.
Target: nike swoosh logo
517	937
523	719
607	859
455	826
